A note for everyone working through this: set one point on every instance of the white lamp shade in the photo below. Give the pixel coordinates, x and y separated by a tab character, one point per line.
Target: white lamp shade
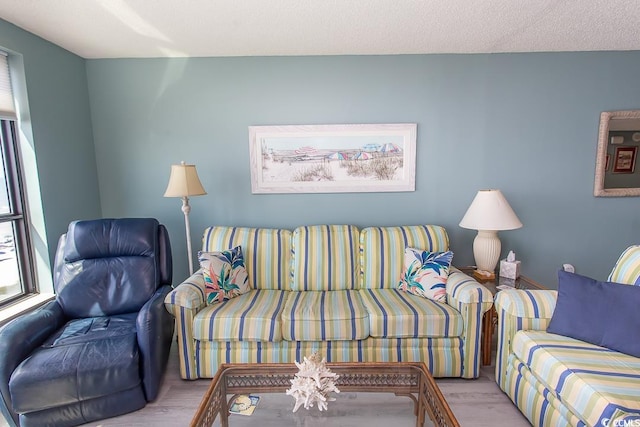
184	182
490	211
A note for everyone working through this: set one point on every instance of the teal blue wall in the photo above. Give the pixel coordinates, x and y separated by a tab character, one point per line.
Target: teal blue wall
524	123
58	111
106	131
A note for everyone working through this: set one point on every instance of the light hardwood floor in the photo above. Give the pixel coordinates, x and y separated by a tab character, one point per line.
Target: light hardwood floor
475	403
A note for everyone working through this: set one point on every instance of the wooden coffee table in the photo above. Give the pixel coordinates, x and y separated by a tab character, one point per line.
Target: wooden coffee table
411	379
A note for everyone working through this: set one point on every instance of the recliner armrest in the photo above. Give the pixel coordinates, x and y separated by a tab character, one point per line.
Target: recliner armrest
18	339
154	327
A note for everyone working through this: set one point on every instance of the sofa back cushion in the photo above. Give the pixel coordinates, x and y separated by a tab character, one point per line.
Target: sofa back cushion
266	252
627	268
382	251
325	257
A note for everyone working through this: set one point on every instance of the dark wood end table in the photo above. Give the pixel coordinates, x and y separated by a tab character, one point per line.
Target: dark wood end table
490	318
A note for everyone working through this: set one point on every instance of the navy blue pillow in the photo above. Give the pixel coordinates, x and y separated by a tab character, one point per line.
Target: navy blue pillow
601	313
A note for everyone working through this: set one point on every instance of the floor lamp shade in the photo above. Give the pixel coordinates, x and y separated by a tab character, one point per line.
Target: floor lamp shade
489	213
184	182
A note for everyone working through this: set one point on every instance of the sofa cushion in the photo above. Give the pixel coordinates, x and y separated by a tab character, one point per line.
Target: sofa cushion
325	258
594	382
594	311
266	252
627	268
382	251
396	314
254	316
425	273
100	355
224	274
324	315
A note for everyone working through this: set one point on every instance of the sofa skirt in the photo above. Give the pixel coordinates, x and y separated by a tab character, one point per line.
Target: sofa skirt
538	404
443	356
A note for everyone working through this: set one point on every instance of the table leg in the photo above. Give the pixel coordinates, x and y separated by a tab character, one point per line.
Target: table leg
487	336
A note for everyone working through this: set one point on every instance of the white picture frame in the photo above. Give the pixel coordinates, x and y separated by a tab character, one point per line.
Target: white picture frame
333	158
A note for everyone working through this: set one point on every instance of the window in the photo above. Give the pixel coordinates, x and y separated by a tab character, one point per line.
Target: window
16	272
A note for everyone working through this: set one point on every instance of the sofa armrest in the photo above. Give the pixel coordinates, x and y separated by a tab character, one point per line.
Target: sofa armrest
527	304
184	302
520	309
465	289
188	294
472	300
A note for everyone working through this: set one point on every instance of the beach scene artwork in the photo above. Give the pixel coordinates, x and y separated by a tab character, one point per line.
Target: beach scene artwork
333	158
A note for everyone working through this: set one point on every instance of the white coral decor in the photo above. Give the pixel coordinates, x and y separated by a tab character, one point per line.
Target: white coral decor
313	383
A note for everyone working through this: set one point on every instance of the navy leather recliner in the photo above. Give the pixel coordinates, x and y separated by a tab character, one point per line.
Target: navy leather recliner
101	347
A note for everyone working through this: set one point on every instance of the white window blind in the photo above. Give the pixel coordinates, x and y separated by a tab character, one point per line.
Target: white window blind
7	108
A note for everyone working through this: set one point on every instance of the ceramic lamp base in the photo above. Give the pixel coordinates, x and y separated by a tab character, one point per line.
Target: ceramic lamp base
486	250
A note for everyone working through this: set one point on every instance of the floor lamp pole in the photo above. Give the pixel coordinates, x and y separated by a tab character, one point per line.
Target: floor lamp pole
186	209
184	182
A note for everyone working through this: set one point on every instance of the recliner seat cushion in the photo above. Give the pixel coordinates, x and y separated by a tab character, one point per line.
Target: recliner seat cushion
86	359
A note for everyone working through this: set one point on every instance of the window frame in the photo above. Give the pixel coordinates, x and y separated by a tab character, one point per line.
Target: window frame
19	212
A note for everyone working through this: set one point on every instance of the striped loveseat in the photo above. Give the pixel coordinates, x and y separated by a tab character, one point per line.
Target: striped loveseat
331	289
560	381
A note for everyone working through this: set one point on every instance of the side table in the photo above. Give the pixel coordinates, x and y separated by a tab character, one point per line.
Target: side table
490	318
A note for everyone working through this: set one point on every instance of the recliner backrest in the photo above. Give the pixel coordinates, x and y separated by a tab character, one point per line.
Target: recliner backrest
111	266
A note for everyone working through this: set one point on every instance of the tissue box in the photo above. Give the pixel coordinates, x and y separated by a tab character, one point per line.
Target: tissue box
510	270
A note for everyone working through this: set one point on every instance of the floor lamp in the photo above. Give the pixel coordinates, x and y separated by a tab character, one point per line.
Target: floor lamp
489	212
184	182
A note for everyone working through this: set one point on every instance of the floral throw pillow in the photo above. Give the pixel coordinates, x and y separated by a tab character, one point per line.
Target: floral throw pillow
224	274
426	273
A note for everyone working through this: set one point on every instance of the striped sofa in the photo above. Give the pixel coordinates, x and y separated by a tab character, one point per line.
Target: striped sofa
331	289
559	381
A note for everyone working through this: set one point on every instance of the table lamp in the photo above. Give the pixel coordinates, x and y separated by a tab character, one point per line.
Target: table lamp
489	213
184	182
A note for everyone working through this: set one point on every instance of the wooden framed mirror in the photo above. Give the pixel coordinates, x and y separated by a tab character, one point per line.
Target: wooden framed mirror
617	174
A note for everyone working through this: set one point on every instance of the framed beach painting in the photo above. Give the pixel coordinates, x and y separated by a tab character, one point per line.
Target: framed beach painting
333	158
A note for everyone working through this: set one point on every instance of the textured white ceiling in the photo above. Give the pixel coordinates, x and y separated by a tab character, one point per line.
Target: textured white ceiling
162	28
